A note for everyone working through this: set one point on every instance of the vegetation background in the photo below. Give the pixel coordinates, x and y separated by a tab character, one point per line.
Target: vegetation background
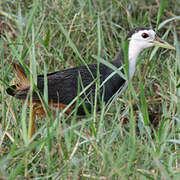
137	138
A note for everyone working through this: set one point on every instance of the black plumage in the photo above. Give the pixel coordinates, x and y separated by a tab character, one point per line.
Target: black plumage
63	85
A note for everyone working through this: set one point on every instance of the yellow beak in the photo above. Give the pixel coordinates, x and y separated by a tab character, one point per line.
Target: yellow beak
161	43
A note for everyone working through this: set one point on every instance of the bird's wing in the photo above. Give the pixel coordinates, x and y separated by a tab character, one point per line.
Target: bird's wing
62	85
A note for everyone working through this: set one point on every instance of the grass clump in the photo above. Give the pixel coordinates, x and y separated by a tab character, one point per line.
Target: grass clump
137	138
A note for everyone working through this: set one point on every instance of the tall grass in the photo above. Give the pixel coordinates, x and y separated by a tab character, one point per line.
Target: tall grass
136	138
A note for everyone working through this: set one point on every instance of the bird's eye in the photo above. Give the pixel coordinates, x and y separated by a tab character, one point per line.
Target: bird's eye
145	35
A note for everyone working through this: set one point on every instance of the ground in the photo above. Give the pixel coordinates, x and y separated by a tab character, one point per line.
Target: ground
137	137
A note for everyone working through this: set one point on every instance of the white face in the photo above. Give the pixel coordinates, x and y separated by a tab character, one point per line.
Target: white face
143	38
139	41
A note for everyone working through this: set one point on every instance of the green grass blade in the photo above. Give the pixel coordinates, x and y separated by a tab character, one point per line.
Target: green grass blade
99	36
33	59
45	84
31	17
20	32
162	24
24	123
47	39
161	11
144	107
177	48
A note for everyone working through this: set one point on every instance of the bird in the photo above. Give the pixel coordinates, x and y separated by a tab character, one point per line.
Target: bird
63	86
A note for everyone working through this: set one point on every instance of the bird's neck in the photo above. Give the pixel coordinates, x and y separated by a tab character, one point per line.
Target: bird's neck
133	53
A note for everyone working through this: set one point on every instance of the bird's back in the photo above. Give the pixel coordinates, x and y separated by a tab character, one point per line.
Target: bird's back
63	86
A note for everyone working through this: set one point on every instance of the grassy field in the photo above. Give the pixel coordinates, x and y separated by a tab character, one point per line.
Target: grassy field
138	137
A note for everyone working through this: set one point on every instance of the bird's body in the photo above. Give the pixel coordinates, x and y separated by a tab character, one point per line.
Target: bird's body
63	85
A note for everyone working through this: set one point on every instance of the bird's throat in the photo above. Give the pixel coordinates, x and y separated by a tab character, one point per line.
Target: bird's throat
133	52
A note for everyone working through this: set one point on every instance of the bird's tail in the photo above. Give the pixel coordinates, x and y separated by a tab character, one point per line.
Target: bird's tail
21	88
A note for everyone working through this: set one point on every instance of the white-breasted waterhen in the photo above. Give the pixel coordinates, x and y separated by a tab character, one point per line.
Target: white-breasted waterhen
63	86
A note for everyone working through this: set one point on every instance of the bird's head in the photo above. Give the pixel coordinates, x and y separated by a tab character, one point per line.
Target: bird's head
141	38
146	37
